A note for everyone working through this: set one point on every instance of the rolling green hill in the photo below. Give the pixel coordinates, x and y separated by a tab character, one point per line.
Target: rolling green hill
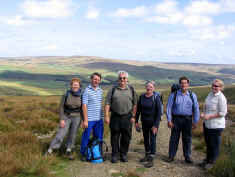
51	75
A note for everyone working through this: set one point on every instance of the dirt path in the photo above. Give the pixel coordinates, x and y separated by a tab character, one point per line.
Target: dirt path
134	168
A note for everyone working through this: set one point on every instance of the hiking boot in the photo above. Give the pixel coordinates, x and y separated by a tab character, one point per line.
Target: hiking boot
170	159
114	159
203	163
49	152
149	164
188	160
123	158
70	155
145	159
209	166
83	158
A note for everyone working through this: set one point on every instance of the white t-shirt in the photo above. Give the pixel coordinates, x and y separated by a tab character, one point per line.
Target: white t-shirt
215	103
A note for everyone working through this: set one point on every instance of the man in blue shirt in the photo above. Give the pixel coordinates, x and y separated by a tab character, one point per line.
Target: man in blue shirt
182	116
92	112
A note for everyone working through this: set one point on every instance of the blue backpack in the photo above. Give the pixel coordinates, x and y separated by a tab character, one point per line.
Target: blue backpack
94	150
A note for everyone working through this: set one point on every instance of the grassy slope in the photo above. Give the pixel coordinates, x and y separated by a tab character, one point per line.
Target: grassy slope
44	72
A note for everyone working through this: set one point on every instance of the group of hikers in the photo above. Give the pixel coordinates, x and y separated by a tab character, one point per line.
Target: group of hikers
182	112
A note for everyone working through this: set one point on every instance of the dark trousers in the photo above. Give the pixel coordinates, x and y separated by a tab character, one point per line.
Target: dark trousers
184	125
149	137
120	128
213	141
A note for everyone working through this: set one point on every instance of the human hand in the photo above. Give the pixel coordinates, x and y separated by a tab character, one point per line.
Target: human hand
154	130
62	123
85	124
107	120
194	125
207	117
170	124
202	115
132	120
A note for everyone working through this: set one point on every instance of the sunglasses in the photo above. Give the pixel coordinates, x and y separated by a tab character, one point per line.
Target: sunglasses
213	85
120	78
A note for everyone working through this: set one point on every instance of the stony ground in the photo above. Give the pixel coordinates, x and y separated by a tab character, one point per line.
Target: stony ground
133	168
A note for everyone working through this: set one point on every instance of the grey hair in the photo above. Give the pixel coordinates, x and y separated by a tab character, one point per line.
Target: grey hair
150	82
122	72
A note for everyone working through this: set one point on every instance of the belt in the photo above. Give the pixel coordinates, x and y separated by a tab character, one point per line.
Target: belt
183	116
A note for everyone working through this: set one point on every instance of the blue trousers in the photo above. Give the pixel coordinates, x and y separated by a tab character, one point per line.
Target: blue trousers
213	141
184	126
97	127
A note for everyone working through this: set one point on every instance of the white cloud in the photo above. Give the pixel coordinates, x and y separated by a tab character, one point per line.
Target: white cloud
203	7
227	5
166	7
169	19
47	8
92	13
136	12
196	20
213	33
16	21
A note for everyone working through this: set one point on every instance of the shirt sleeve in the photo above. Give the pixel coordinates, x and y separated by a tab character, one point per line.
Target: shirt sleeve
222	105
158	111
135	99
85	97
108	97
169	107
196	111
62	101
138	110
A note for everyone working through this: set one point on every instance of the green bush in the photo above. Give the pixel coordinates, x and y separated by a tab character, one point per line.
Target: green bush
225	165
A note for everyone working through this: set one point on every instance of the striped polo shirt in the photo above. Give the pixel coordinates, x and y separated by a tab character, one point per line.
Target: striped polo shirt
93	99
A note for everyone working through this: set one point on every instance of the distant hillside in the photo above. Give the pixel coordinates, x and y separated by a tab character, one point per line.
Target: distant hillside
53	73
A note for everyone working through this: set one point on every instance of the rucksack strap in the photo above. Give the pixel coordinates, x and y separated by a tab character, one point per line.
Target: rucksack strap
191	96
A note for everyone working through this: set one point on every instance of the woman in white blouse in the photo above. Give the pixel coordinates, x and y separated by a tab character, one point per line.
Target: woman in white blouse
215	109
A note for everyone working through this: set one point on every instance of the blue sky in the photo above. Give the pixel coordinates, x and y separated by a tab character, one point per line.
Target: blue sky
196	31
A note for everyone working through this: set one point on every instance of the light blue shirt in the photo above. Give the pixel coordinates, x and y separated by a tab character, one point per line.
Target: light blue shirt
183	106
93	99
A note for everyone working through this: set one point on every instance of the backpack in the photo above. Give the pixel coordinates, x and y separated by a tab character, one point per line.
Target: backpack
67	108
175	88
157	94
94	150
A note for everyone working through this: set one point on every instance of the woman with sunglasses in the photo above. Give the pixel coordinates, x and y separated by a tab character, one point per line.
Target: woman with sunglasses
215	109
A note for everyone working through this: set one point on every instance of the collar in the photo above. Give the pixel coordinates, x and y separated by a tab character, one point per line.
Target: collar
90	87
180	91
217	94
126	88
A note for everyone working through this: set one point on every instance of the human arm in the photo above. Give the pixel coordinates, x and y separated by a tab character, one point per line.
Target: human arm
134	109
62	115
169	108
157	114
196	111
84	109
138	112
107	106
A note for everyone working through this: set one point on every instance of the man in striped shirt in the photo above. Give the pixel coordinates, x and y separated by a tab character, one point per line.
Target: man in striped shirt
92	112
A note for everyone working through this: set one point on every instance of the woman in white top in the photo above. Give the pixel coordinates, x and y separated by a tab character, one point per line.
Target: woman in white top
215	109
